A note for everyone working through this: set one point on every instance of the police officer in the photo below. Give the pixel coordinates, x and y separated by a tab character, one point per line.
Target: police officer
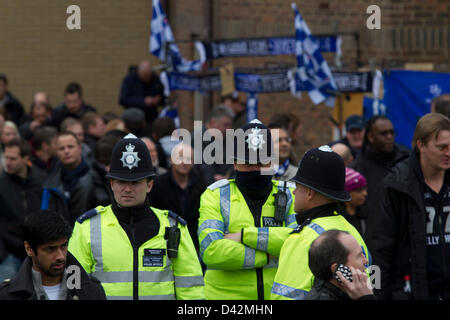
320	184
136	251
244	221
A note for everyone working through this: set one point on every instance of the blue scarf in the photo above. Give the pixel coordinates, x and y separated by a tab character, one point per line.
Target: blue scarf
70	177
282	169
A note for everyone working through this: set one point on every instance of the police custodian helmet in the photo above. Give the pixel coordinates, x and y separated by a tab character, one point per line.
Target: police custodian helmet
253	145
323	170
130	160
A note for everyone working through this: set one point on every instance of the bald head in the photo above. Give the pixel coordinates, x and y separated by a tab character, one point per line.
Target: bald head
145	71
344	151
41	98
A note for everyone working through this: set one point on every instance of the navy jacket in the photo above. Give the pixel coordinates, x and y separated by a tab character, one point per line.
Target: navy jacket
134	91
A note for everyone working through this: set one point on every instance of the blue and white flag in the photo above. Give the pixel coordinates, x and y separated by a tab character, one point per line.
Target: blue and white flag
171	113
312	68
161	37
252	107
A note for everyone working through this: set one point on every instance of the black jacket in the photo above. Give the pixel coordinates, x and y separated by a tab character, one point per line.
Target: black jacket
91	141
134	91
61	112
374	166
166	194
18	198
25	127
92	189
13	109
71	207
324	290
21	286
396	234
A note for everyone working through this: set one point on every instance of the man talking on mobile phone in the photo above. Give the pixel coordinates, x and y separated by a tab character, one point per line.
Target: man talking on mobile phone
338	265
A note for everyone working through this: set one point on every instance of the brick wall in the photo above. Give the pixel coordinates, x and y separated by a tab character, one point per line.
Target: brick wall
39	54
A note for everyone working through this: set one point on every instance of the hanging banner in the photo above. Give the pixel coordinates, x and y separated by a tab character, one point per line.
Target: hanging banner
408	95
264	47
264	83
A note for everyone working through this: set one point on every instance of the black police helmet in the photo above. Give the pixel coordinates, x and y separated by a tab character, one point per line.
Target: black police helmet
323	170
130	160
255	145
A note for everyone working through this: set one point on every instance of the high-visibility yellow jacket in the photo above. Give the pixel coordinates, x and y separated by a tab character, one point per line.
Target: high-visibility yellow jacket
241	270
294	279
104	250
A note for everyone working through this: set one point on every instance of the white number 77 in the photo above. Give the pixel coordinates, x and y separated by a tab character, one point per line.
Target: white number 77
432	213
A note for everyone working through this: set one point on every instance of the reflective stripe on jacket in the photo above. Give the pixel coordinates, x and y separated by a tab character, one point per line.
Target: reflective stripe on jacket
234	268
102	247
294	279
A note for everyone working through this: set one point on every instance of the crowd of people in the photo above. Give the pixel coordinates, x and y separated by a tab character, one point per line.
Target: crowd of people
78	187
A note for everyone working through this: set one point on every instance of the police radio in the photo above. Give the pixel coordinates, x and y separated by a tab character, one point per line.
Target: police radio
173	236
281	200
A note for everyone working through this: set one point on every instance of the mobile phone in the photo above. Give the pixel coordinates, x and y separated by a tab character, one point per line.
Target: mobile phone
346	272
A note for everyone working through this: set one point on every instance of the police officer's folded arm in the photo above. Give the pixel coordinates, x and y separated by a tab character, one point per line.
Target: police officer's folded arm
270	238
215	251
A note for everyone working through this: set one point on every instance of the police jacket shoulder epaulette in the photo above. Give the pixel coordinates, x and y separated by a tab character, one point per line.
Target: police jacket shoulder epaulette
89	214
218	184
174	216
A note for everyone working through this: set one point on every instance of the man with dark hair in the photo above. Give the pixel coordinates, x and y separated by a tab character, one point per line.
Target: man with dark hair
409	230
378	155
330	250
46	272
9	105
73	105
75	126
134	120
44	149
142	89
20	188
66	175
93	127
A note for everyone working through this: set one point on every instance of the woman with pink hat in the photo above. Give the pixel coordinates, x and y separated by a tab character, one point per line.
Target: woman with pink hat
356	186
